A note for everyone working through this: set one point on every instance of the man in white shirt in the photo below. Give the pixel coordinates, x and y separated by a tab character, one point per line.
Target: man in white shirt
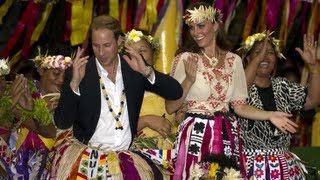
102	95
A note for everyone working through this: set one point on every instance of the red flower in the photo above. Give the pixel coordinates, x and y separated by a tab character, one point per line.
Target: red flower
258	173
259	158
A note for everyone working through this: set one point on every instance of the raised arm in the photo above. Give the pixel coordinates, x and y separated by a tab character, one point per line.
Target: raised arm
308	55
190	70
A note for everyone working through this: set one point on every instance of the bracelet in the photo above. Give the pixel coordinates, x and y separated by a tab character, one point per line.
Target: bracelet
149	73
315	71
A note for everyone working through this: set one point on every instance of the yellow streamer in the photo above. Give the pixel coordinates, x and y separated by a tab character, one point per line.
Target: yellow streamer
114	8
149	16
113	164
124	16
283	28
80	20
4	9
249	22
36	33
43	21
168	33
314	19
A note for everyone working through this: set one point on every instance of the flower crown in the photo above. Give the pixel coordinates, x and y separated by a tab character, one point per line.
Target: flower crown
56	62
4	67
249	42
135	36
202	13
216	166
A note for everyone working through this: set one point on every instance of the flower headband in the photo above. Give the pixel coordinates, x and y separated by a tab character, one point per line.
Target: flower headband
249	42
202	13
135	36
56	62
4	67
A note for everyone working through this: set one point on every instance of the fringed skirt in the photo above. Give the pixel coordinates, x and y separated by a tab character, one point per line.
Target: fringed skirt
75	160
200	135
273	164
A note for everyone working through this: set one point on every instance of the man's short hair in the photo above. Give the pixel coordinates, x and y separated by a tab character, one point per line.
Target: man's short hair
107	22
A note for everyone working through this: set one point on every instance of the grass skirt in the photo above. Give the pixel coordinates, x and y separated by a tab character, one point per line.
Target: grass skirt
75	160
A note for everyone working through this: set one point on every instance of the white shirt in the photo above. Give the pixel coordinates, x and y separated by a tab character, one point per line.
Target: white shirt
105	134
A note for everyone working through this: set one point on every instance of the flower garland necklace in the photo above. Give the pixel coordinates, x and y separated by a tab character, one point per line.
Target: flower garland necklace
213	61
115	116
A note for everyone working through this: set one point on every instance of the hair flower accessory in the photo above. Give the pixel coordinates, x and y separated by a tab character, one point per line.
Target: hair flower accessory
216	166
249	42
4	67
202	13
56	61
135	36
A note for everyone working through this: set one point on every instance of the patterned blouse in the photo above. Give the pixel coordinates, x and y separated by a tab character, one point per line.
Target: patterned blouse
283	96
215	87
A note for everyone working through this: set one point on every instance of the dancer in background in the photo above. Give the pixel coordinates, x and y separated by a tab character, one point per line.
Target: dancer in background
266	146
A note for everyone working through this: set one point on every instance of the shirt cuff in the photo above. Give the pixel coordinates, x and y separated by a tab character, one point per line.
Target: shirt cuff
77	92
152	77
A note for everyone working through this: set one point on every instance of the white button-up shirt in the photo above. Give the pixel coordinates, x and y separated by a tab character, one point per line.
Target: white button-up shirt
105	134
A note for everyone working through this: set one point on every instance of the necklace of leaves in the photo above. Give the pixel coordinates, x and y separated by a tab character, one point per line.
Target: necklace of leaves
115	116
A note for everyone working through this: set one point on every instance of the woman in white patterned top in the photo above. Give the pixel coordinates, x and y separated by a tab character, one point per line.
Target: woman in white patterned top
212	79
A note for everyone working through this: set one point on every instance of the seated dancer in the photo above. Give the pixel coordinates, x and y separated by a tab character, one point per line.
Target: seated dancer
266	147
101	99
156	129
14	101
37	133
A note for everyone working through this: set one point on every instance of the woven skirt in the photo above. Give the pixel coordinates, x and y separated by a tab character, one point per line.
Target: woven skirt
75	160
273	164
200	135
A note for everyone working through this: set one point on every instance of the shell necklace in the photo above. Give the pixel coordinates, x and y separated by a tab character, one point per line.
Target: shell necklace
115	116
213	61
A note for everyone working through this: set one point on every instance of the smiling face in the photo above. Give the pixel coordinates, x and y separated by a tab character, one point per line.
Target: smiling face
203	33
144	48
268	63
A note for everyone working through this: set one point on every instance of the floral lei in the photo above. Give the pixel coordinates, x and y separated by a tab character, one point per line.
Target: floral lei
55	62
4	67
135	36
202	13
249	42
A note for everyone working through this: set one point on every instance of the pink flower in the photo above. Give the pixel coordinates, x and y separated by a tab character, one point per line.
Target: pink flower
275	174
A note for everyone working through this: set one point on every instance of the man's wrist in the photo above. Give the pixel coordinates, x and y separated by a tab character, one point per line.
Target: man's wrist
148	72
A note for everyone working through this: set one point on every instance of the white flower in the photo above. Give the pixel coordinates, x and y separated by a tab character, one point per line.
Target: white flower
232	174
4	67
202	13
134	35
196	172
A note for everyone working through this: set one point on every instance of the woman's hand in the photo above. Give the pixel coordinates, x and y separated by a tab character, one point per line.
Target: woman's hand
308	54
78	68
157	123
281	121
180	114
191	67
20	93
136	62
